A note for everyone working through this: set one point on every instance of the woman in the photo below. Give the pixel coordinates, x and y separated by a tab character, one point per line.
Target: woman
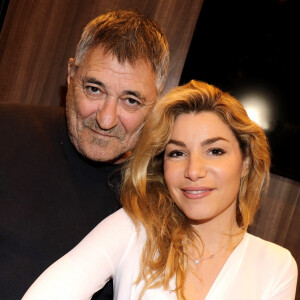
189	193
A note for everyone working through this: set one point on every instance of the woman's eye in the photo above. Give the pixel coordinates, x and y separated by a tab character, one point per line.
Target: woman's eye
217	151
176	153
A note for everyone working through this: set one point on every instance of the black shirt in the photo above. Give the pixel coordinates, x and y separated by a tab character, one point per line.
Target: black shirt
50	195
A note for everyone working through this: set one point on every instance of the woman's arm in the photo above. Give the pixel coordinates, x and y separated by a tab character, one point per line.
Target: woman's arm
86	268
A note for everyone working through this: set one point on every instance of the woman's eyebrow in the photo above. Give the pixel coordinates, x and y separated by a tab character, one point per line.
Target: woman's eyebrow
213	140
175	142
203	143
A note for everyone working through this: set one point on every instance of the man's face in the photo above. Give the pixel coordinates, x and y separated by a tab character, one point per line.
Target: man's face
107	103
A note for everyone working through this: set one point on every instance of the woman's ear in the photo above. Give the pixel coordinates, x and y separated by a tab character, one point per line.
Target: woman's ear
245	167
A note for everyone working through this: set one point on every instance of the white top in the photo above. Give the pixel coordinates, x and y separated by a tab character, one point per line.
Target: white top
256	269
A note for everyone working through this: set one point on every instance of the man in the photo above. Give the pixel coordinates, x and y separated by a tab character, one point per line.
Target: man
56	181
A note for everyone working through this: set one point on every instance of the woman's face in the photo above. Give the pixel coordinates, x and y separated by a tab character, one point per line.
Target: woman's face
203	166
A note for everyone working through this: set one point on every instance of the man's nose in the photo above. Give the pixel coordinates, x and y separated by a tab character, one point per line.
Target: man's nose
107	113
196	168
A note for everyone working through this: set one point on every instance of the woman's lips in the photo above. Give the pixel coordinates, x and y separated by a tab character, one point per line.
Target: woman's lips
196	192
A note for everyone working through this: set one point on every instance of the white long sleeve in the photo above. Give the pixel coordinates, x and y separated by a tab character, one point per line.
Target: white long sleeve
256	269
86	268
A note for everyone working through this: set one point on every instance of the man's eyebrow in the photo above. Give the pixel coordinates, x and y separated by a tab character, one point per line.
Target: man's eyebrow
94	81
127	92
134	93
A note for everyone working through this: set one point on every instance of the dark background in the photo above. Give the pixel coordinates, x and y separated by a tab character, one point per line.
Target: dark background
252	46
3	9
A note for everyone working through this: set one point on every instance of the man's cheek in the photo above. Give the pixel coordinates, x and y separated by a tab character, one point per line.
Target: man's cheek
85	108
133	123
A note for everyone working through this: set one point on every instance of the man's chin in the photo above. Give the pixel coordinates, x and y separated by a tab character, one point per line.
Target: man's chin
107	155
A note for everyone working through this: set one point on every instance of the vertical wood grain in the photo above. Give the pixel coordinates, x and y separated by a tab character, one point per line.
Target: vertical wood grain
39	36
278	219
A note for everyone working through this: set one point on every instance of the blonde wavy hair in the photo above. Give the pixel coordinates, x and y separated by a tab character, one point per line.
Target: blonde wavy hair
146	199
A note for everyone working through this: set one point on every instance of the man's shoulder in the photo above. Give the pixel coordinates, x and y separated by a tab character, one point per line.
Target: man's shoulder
24	126
20	110
15	117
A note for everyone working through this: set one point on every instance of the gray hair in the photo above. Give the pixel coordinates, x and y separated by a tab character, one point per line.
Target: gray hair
129	36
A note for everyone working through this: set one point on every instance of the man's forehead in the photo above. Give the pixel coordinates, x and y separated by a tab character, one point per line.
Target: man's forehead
104	70
101	55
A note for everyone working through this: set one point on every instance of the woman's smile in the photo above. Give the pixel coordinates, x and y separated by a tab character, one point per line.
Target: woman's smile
196	192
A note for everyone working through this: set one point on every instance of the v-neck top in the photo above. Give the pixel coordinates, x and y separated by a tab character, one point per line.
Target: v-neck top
256	269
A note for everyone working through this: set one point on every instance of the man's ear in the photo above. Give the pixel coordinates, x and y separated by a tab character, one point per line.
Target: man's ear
70	65
245	168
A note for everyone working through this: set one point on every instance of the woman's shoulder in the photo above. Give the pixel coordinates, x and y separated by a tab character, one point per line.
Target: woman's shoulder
266	246
268	253
119	221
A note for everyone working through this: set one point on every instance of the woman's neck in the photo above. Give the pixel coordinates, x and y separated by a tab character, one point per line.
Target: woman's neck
215	235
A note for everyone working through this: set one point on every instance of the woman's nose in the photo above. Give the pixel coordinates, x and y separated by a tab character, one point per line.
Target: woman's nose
196	168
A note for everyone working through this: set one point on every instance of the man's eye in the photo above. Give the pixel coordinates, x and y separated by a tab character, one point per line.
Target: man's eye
132	102
92	90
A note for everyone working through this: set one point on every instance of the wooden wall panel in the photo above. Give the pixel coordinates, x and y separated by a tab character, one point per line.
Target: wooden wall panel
278	219
277	209
39	36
